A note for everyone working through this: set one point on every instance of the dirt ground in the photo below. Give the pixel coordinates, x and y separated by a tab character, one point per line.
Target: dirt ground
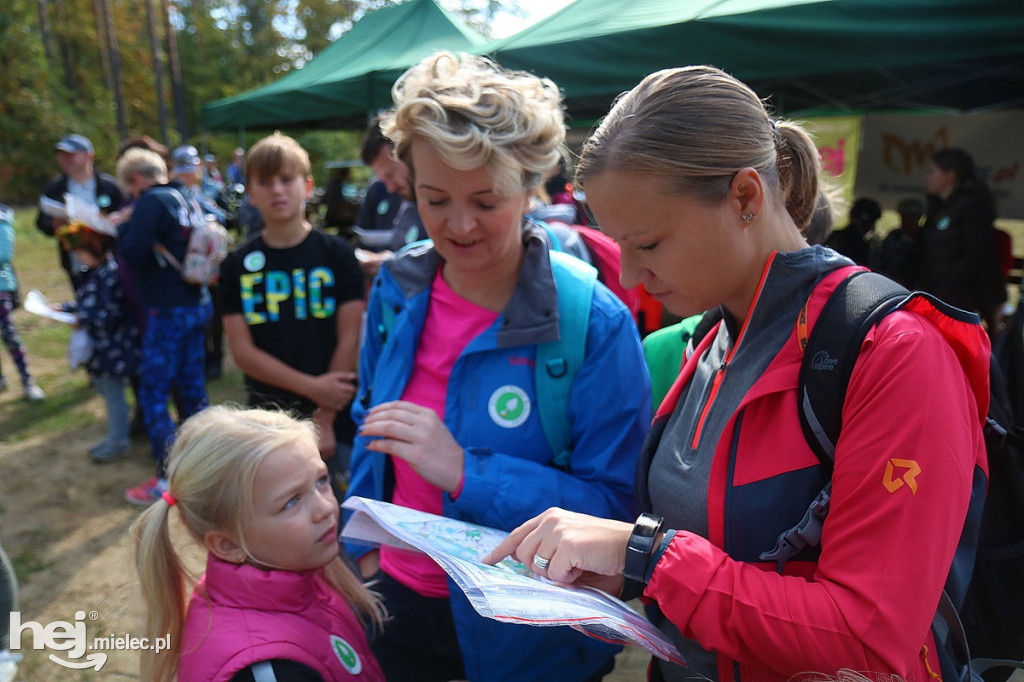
64	523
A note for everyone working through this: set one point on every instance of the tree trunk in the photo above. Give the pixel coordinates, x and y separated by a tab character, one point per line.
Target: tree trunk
198	10
47	32
114	51
103	41
158	70
177	93
65	49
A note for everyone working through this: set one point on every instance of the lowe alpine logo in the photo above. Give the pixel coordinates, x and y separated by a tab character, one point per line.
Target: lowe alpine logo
508	406
823	362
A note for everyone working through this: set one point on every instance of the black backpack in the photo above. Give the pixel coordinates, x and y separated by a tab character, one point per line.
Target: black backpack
981	612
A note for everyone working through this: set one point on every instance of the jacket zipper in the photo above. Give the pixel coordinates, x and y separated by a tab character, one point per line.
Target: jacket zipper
716	382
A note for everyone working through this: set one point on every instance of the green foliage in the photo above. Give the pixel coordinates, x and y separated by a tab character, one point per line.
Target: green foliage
55	72
28	113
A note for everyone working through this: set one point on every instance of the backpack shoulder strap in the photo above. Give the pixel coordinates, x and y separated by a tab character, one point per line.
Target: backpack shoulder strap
182	211
556	243
856	305
831	350
558	361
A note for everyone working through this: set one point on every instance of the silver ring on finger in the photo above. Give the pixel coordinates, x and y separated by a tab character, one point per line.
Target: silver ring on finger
540	562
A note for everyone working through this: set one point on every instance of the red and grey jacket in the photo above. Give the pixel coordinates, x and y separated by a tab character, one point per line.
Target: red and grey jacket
910	455
240	615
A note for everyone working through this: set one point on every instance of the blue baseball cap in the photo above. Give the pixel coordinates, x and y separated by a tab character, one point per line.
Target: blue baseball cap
184	159
75	143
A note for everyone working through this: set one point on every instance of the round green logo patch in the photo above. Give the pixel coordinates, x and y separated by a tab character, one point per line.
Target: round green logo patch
254	261
509	406
347	655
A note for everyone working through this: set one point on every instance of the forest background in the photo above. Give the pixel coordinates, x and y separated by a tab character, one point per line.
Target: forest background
109	69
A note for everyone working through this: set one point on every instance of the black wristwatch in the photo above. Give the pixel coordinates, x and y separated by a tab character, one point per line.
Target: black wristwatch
641	546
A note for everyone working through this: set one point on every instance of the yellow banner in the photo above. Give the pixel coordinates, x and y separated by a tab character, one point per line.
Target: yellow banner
838	141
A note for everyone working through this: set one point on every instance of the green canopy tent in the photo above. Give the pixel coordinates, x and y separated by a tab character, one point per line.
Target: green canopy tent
809	55
349	81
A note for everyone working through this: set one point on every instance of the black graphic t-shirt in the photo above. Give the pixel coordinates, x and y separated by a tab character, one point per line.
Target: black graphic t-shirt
289	298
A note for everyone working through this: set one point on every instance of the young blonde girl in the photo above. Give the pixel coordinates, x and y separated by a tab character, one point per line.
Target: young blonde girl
250	487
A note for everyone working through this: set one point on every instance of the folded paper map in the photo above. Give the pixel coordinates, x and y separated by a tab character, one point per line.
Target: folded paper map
508	591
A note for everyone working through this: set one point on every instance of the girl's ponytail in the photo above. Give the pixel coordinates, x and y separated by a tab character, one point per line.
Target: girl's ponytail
164	590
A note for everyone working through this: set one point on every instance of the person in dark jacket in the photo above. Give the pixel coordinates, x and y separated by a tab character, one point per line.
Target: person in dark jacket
900	255
960	263
80	179
173	346
100	308
854	240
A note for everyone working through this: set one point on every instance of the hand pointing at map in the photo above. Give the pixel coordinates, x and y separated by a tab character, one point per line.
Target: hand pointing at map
417	435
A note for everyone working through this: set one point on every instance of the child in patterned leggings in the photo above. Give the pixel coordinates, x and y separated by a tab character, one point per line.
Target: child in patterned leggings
8	302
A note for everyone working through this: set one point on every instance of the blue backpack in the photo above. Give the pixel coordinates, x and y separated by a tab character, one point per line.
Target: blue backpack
557	362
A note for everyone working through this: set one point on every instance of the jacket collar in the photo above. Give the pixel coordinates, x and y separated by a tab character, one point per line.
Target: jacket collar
233	585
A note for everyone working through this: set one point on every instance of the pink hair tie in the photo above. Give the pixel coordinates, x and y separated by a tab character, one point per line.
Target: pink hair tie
168	498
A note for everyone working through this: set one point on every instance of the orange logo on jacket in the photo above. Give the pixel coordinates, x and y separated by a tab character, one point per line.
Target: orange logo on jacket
893	481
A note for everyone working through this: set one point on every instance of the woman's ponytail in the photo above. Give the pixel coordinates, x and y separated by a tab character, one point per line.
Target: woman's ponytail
799	169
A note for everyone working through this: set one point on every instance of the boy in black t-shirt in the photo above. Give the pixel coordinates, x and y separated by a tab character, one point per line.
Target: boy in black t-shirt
293	299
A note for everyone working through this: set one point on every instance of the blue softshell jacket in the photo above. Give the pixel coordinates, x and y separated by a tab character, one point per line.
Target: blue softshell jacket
509	477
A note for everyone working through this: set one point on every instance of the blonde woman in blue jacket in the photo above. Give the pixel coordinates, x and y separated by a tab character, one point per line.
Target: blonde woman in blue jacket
448	405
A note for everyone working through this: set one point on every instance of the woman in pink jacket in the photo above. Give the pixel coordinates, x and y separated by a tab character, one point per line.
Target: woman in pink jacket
706	193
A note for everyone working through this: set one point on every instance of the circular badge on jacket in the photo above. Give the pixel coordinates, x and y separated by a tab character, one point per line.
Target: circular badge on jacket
509	406
103	201
943	222
383	206
346	655
254	261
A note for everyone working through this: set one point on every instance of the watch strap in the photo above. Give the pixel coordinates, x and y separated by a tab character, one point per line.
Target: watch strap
641	546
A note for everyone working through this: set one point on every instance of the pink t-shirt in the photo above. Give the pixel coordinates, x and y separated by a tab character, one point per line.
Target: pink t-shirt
452	322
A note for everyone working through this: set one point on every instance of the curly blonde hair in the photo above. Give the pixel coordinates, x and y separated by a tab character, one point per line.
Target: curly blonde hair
477	114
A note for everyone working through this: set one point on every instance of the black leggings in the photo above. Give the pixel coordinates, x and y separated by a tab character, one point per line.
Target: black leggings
418	643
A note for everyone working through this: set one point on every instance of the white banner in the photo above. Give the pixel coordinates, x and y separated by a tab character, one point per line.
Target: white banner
896	150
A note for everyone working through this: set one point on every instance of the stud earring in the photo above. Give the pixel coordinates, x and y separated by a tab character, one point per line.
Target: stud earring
748	217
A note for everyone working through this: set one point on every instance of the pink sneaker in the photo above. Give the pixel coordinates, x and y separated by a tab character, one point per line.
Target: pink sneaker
145	494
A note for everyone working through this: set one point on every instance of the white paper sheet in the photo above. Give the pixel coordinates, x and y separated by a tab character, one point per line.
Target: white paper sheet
37	304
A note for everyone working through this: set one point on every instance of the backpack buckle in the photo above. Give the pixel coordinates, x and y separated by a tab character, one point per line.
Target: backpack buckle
807	533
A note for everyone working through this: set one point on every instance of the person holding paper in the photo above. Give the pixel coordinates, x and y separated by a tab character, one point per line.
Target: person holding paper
100	310
449	404
80	179
707	193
